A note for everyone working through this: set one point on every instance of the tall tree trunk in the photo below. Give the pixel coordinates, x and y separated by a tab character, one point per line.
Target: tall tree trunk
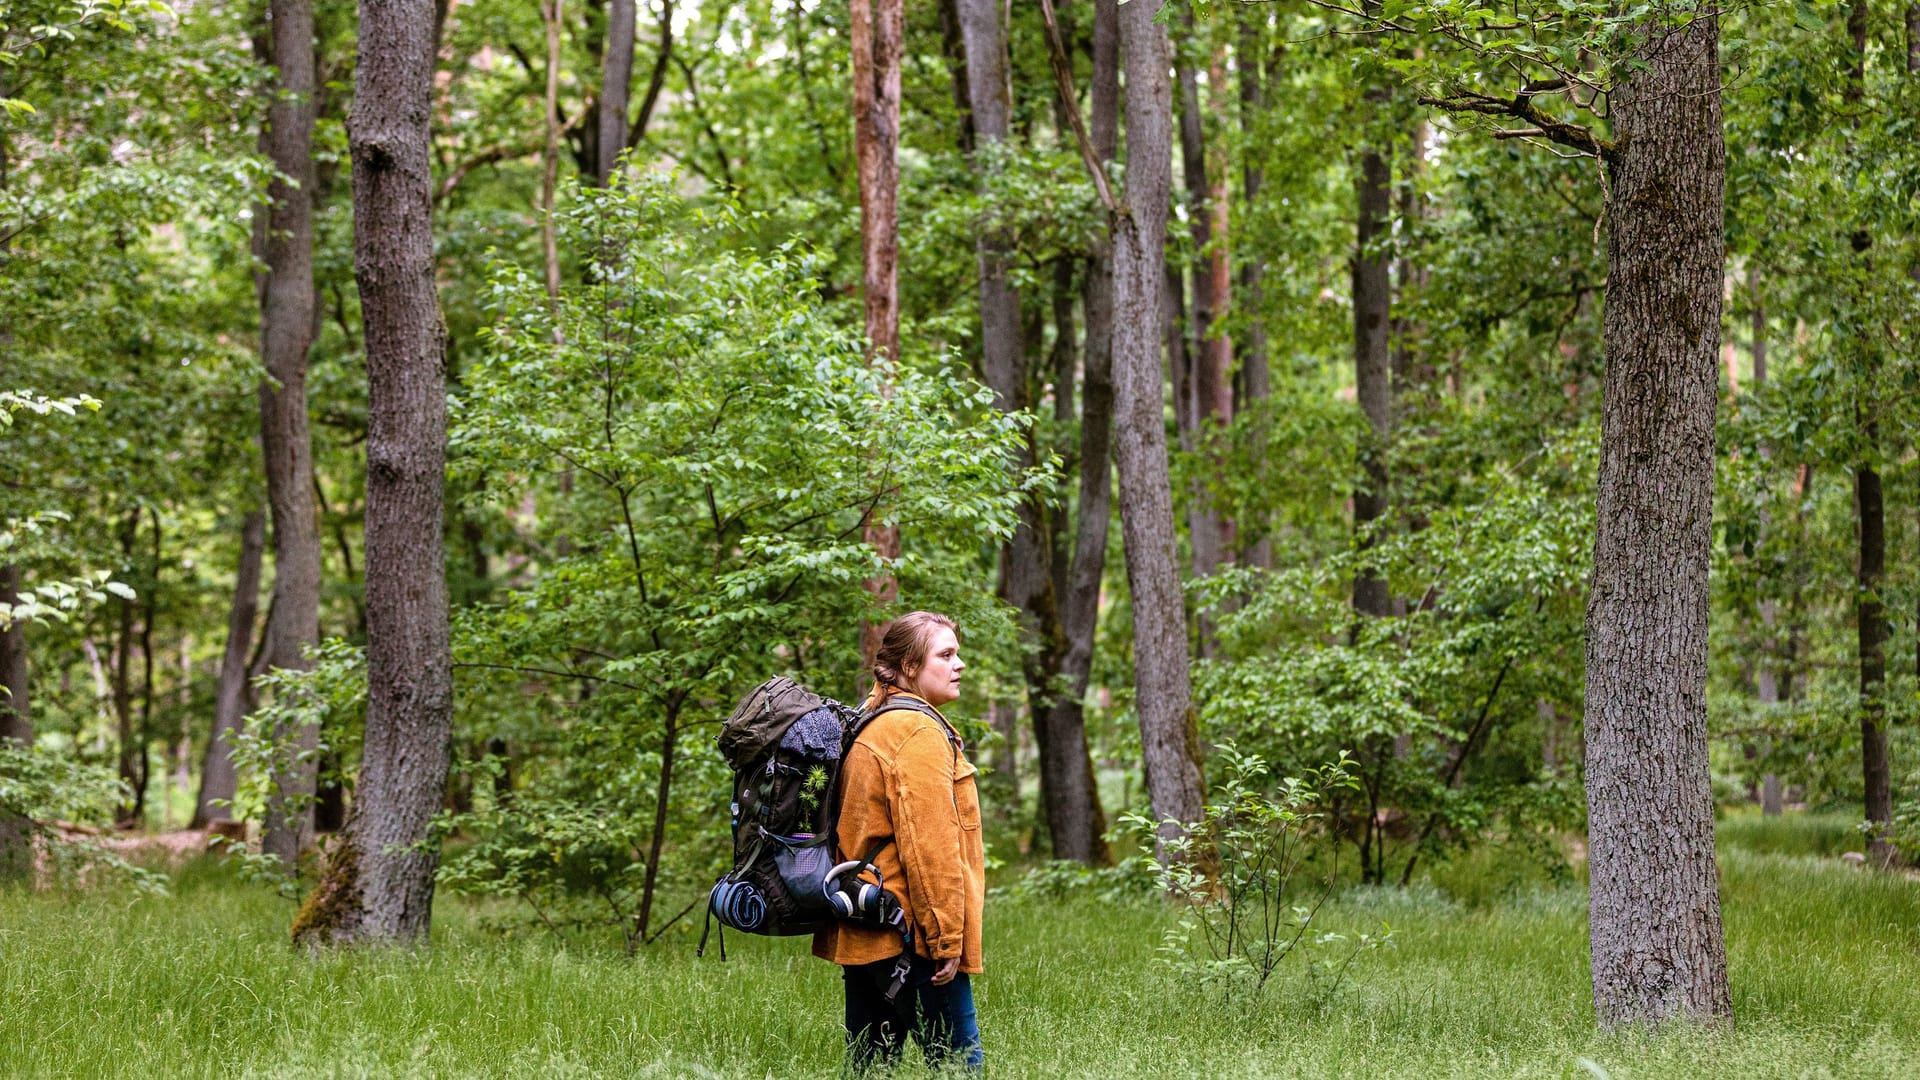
1658	952
379	880
1256	381
1871	624
1372	368
1765	676
16	725
149	605
876	33
550	16
1076	823
1169	736
235	698
616	86
1208	350
130	749
286	332
1871	516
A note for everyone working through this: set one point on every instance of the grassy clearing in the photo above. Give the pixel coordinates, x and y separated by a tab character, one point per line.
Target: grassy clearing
1825	962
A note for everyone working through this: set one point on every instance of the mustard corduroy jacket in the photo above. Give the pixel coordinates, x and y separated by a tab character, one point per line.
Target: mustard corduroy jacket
906	778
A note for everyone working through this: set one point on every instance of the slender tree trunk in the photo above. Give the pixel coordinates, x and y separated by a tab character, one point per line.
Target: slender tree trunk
1026	560
234	698
286	332
1076	823
1766	679
656	81
668	742
149	606
1169	735
876	33
1208	350
1256	381
1871	517
550	16
379	880
16	712
1372	369
1871	624
129	740
1658	953
616	86
16	724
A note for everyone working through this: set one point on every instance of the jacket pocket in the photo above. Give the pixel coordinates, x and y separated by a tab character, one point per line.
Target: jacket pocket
966	795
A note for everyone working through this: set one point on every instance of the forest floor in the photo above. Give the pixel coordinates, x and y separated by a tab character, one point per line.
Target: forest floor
1487	976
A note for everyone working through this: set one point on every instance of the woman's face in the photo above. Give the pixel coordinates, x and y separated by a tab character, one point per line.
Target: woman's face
938	680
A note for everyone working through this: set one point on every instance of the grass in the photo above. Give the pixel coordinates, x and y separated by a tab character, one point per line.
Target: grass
202	983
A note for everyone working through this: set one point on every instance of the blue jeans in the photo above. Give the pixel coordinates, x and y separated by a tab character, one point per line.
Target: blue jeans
940	1018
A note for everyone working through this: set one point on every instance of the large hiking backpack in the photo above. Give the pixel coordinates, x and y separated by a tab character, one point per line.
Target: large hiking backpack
785	745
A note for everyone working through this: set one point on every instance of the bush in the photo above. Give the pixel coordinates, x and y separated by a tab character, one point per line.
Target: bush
1241	873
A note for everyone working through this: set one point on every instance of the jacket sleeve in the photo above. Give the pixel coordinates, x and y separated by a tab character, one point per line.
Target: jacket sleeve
926	824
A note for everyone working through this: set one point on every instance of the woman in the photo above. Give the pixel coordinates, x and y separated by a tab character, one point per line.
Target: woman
909	787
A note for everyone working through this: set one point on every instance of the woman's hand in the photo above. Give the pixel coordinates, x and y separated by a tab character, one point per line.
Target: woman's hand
948	968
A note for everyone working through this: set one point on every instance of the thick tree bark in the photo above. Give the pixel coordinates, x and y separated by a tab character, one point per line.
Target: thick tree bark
379	883
1372	368
876	33
286	331
234	698
16	725
1658	952
1169	736
616	87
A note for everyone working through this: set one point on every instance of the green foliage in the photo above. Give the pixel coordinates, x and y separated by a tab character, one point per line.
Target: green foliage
1241	875
56	807
330	697
688	446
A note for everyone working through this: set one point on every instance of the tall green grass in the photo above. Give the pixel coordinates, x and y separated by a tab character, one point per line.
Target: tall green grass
1825	964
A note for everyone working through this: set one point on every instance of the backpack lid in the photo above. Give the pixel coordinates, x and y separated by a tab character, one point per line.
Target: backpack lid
762	717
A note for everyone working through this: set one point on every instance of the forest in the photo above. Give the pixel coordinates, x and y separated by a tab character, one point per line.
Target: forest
1429	490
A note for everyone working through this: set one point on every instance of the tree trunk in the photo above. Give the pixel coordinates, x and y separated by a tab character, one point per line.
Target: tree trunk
16	713
1256	381
379	884
286	332
234	698
1372	369
1209	351
616	87
1766	681
1658	952
16	724
1871	624
1169	736
128	766
550	16
876	34
1076	823
668	740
